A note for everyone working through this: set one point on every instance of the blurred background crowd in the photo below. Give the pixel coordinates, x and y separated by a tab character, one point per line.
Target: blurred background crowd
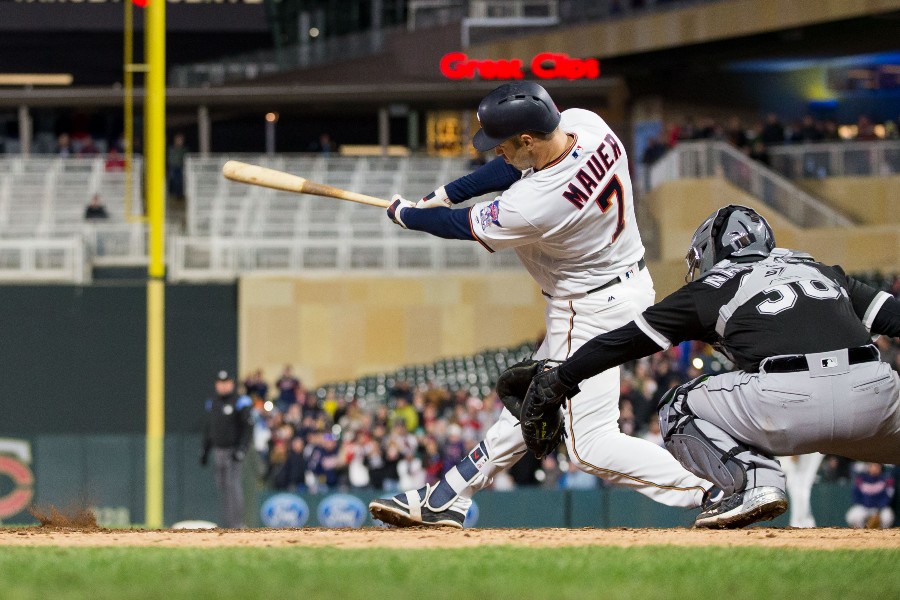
754	139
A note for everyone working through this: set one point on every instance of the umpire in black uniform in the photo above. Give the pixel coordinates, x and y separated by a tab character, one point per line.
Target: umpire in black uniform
227	433
809	379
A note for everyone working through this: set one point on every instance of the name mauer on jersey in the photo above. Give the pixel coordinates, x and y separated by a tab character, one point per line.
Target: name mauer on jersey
586	181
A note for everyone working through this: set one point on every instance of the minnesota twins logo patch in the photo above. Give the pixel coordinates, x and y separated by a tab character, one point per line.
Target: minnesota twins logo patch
490	215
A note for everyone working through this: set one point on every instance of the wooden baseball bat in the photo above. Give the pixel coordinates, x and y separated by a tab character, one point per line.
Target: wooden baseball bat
279	180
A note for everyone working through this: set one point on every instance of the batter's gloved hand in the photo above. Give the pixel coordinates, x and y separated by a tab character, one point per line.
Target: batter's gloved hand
513	385
436	199
542	419
396	208
238	455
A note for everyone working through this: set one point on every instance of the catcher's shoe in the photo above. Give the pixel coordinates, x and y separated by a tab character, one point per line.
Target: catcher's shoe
410	509
743	508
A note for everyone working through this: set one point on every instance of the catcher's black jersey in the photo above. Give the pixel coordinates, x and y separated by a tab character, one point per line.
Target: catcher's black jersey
817	310
785	304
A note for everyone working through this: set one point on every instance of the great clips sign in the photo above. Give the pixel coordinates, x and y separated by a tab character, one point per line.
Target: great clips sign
546	65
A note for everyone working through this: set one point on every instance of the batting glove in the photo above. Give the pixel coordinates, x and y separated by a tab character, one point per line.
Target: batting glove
436	199
396	208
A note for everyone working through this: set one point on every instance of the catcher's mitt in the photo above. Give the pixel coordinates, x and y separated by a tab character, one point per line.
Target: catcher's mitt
542	419
513	384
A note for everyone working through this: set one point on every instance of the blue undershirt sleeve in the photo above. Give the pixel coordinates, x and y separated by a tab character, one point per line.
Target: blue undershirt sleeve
441	222
495	176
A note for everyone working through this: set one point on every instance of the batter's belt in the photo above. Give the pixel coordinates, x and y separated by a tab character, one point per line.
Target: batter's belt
797	363
625	276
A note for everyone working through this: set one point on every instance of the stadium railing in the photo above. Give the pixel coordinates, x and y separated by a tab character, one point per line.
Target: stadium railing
836	159
43	260
718	159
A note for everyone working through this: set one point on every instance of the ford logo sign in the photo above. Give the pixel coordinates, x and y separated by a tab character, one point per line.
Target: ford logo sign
284	510
341	510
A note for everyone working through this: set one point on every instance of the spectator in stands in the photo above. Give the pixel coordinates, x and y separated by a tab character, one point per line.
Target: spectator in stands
292	474
737	135
432	460
255	386
772	131
411	473
454	446
323	460
865	130
175	155
352	457
64	145
551	475
759	153
114	160
653	433
655	150
809	130
873	490
576	479
287	386
324	145
96	209
404	413
830	131
627	423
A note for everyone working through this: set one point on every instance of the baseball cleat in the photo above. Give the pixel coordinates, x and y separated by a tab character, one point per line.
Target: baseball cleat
743	508
410	509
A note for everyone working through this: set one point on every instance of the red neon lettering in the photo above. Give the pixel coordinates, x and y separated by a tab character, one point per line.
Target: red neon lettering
456	65
140	3
551	65
547	65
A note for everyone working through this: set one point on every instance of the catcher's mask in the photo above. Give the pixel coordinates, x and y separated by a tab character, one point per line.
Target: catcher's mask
731	232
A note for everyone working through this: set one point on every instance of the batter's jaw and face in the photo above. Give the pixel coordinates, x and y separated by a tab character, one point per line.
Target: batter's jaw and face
517	151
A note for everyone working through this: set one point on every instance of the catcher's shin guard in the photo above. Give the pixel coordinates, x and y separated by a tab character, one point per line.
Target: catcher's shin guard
701	447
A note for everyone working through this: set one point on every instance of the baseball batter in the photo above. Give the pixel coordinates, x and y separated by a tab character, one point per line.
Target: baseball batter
809	378
569	215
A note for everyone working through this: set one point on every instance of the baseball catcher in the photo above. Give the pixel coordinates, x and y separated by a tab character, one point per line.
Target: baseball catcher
798	388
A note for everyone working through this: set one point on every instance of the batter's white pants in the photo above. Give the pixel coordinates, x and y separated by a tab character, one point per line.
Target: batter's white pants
594	441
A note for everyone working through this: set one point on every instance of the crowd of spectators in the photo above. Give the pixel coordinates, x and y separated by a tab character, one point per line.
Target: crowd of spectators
755	139
316	441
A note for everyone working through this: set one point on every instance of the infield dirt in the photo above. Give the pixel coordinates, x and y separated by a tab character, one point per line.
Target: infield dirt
821	538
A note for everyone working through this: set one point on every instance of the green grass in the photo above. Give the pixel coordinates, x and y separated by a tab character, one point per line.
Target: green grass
494	573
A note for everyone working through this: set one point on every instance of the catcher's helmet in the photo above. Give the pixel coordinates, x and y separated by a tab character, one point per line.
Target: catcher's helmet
731	232
514	108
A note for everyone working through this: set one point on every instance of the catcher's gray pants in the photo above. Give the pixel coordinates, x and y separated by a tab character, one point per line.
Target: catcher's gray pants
748	418
228	480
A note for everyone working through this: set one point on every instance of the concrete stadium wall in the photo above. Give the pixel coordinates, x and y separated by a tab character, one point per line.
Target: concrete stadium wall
678	208
866	200
338	328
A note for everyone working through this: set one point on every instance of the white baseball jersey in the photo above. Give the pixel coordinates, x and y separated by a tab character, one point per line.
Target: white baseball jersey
572	223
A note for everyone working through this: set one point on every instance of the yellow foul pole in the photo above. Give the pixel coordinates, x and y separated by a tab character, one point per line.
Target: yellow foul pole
154	161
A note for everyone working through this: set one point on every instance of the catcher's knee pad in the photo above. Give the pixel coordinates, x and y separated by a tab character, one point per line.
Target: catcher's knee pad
470	472
701	447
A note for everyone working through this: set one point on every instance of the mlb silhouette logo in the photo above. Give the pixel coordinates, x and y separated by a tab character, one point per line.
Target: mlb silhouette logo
829	362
